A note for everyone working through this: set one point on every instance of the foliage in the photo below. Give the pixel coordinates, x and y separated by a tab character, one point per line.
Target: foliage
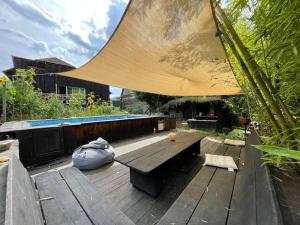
116	102
22	100
275	154
91	100
181	100
268	55
137	109
235	134
3	80
238	105
25	102
52	107
154	101
270	31
76	101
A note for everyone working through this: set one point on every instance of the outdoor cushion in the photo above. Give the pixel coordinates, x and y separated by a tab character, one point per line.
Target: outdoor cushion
234	142
220	161
93	155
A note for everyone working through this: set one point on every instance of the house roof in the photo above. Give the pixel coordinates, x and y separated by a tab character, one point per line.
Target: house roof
55	61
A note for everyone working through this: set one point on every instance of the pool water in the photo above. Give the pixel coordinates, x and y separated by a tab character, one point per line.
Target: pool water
51	122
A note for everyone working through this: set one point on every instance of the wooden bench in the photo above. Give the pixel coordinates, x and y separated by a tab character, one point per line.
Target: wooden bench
148	163
58	197
219	197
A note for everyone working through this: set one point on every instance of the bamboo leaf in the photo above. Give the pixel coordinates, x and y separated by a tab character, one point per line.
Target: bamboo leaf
279	151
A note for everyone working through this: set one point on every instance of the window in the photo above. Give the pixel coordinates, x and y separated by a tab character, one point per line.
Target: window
75	90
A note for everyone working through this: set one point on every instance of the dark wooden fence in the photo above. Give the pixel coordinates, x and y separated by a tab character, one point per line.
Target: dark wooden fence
40	145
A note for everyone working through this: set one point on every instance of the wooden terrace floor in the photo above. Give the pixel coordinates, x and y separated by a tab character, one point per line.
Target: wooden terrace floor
113	183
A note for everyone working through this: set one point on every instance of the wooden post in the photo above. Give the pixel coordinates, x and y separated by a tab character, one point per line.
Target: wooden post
4	103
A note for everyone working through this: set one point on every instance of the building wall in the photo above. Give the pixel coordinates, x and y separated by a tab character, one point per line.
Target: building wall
48	82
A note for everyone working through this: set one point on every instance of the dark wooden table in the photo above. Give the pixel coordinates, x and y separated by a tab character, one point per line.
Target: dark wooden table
148	163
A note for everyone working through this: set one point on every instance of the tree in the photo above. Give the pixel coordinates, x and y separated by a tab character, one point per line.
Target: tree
25	102
154	101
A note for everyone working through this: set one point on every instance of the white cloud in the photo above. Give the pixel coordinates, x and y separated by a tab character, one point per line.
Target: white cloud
31	12
71	30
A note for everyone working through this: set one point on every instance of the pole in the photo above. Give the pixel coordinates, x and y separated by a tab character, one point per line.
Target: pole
4	103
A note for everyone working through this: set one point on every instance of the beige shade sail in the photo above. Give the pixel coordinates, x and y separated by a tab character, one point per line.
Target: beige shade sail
164	47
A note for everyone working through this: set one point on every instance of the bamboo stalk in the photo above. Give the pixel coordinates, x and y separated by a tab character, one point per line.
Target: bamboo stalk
251	81
277	97
253	68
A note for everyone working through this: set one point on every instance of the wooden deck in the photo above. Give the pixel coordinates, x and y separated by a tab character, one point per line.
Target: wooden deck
113	183
191	194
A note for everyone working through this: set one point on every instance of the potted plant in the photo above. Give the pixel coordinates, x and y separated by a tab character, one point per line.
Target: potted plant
244	119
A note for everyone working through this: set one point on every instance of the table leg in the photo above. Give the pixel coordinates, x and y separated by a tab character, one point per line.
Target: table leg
195	148
150	183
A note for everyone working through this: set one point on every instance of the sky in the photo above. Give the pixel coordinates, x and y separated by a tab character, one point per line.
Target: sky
72	30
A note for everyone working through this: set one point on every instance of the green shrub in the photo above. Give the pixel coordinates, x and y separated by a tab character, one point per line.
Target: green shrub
136	110
25	102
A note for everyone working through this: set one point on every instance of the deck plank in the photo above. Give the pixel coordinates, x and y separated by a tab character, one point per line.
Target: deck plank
138	206
63	208
103	173
114	184
175	184
217	196
99	211
125	196
189	199
243	204
110	176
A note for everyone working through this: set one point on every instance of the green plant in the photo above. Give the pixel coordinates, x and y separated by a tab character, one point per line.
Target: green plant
173	103
53	107
263	52
136	110
154	101
91	100
279	156
25	102
238	105
235	134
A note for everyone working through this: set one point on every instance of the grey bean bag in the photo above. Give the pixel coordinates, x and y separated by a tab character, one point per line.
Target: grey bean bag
93	155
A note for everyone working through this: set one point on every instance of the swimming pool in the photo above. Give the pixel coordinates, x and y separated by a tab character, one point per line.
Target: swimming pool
52	122
41	141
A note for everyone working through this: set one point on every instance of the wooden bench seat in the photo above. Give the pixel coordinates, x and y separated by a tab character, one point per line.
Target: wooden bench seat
3	177
22	206
219	197
75	200
63	197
